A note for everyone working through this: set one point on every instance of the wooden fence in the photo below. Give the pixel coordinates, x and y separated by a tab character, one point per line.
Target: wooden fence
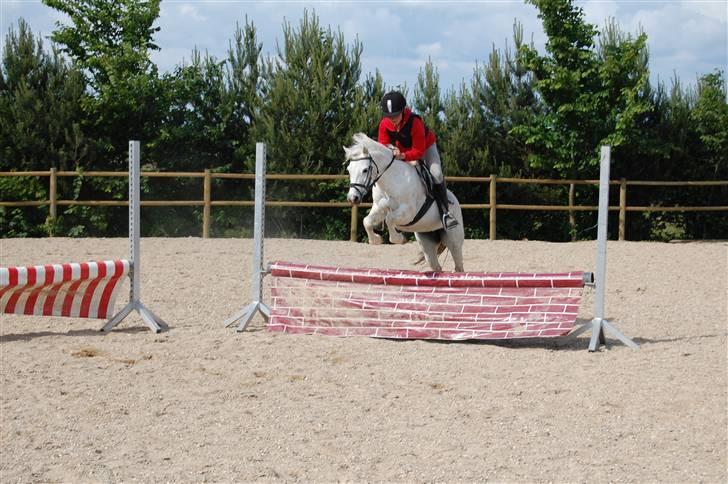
490	204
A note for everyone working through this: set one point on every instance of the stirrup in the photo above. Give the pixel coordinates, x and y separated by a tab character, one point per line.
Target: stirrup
449	222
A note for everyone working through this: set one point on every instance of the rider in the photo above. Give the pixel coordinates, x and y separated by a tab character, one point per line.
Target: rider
413	141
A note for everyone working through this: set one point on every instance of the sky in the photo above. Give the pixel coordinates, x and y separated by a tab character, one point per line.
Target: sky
686	38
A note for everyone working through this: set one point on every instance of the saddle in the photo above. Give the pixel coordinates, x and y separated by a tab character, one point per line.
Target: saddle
427	181
426	177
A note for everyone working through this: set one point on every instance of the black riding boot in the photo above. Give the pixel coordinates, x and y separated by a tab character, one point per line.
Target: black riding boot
439	190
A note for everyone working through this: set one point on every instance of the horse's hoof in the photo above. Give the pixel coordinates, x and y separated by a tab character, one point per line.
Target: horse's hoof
398	240
376	240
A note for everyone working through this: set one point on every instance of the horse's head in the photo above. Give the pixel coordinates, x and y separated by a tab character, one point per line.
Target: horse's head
364	159
360	167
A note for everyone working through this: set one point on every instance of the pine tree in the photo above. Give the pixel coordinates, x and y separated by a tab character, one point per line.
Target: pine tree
427	99
40	95
40	125
309	99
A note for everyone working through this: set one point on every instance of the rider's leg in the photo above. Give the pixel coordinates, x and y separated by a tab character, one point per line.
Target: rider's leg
432	158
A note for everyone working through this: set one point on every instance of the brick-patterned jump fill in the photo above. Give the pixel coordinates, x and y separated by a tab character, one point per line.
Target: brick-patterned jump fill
423	305
86	290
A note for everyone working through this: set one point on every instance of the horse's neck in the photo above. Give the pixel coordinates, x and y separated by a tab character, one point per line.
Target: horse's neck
397	179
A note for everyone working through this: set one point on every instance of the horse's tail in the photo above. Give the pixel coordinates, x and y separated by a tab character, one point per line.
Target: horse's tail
436	236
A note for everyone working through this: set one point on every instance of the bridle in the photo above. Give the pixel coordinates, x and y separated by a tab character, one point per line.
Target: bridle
362	189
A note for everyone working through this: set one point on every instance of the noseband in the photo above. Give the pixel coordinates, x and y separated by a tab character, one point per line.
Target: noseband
364	188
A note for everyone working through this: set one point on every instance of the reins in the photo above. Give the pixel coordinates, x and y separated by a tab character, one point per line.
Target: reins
364	188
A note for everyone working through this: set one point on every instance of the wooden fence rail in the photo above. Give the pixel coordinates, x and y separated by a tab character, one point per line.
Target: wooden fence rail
491	205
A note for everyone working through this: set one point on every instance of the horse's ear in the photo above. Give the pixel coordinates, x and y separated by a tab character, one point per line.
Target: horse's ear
361	138
365	151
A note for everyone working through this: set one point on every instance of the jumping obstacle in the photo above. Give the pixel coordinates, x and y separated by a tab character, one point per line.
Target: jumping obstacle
86	290
83	290
402	304
314	299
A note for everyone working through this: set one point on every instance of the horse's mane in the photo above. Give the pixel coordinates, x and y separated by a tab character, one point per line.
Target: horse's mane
363	142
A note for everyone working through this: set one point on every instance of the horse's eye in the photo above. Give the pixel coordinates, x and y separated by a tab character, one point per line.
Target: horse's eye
365	170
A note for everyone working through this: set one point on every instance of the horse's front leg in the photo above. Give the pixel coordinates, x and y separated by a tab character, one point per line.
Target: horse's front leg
400	216
374	218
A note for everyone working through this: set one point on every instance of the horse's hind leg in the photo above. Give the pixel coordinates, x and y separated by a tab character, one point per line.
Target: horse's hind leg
454	242
429	244
457	256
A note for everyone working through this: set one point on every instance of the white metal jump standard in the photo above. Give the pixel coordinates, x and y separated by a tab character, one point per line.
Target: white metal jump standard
155	323
597	325
256	294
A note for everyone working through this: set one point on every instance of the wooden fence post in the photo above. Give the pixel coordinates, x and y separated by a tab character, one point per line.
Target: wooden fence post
207	196
491	198
53	199
572	218
354	223
622	207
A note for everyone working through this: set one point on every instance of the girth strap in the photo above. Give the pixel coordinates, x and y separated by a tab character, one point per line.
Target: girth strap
423	210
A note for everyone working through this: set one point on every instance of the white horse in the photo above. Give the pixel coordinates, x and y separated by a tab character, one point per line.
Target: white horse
399	195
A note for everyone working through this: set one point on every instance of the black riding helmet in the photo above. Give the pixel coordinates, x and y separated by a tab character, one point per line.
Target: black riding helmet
393	103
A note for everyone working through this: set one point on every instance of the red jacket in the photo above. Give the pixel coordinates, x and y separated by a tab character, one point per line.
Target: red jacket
411	136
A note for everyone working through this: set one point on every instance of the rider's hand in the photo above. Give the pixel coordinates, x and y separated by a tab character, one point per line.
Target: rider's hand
398	154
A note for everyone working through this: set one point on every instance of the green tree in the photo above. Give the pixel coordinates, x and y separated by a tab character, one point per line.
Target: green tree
111	43
464	152
242	75
312	103
710	119
626	97
672	132
40	125
40	94
367	113
462	140
504	95
427	101
192	135
591	97
310	97
213	106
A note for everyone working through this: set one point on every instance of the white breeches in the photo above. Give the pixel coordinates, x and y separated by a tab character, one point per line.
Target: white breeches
432	159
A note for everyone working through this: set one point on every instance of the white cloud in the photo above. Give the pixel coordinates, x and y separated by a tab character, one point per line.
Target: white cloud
597	13
191	11
42	19
433	50
396	71
713	9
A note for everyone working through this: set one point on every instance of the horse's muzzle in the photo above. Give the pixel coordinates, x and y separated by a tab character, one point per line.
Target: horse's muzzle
353	199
